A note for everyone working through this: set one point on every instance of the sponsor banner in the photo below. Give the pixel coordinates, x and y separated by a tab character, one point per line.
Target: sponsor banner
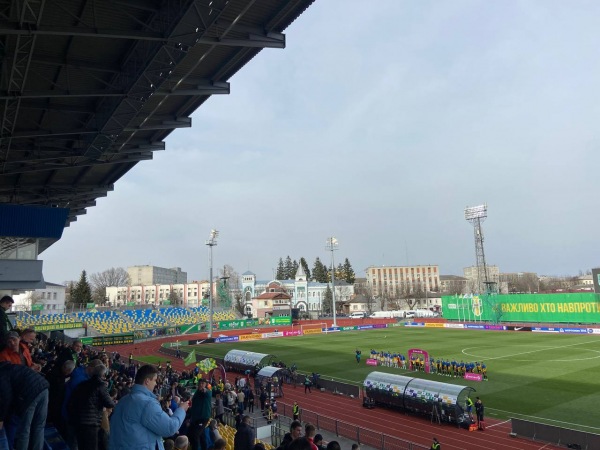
108	340
454	325
544	330
332	329
472	326
573	330
395	324
349	328
495	327
37	307
228	339
380	325
434	325
365	327
283	320
580	308
312	331
512	328
371	362
593	330
58	326
473	376
272	335
249	337
414	324
292	333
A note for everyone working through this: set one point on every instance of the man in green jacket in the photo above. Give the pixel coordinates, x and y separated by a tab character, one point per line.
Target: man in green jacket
5	325
200	413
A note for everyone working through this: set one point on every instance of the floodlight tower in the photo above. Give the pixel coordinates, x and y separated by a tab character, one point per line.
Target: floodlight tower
476	215
211	242
332	245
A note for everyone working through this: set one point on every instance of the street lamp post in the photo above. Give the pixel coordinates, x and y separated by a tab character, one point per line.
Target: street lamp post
211	242
332	245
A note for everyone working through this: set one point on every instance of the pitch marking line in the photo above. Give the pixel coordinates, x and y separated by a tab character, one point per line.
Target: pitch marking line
465	350
498	424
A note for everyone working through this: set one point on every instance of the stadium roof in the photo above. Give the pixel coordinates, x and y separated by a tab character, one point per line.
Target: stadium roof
88	88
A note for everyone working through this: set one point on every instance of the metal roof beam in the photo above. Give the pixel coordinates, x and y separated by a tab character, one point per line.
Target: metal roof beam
8	95
182	122
204	87
14	29
267	40
67	163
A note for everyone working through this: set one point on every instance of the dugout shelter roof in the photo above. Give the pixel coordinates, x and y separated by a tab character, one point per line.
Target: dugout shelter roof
88	88
242	360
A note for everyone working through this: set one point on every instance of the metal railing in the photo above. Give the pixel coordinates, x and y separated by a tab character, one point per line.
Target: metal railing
363	436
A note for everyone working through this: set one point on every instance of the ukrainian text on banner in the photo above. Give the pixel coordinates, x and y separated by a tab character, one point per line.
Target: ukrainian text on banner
565	308
312	331
58	326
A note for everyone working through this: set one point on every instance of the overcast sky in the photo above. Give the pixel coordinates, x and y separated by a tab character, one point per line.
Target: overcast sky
377	124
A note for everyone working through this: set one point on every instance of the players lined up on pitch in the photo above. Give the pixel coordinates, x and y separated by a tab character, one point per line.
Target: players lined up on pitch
441	366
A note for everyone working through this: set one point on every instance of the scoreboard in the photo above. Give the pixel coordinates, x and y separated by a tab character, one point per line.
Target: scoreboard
117	339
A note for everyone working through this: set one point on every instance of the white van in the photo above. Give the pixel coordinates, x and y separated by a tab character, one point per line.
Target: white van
358	315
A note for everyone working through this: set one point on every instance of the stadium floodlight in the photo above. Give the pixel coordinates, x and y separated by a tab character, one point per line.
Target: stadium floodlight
211	242
476	215
476	212
332	245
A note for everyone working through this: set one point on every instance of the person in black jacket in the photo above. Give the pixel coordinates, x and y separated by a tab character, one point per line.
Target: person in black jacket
85	408
244	436
24	392
295	433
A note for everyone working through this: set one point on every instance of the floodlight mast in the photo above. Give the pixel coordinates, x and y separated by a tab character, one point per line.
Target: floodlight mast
332	244
211	242
476	215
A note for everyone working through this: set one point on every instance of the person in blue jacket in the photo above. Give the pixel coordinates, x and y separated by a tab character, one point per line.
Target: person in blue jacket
138	422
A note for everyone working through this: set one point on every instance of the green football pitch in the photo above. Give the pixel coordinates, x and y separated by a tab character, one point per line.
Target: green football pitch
551	378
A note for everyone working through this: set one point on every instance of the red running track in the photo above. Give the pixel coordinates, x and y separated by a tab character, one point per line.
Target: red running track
417	429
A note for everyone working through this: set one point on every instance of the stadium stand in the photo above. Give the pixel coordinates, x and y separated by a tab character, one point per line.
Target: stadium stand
27	320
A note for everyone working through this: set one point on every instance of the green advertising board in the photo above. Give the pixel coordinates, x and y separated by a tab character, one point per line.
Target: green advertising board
90	305
548	308
283	320
115	339
58	326
236	324
38	307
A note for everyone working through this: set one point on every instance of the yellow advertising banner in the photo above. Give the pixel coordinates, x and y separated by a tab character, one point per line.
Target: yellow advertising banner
312	331
250	337
434	325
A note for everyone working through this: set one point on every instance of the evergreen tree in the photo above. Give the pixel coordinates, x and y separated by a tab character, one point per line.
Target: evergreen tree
328	301
83	291
305	267
349	275
294	269
319	271
339	272
288	268
280	270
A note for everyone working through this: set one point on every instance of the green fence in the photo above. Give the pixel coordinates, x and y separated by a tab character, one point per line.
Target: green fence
560	308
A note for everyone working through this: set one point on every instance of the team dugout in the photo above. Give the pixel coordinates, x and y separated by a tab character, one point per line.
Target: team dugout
442	401
242	361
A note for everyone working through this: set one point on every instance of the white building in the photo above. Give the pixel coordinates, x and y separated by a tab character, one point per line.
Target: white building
306	295
149	275
49	300
398	281
189	294
470	273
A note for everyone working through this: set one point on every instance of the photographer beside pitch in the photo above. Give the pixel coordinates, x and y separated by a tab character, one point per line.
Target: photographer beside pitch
138	421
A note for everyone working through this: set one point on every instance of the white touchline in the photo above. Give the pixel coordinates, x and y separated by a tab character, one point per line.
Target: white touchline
464	350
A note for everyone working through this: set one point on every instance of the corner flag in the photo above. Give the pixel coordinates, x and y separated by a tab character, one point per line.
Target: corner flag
190	358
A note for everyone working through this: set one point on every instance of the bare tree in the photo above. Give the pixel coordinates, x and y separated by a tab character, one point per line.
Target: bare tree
175	298
115	276
32	298
366	292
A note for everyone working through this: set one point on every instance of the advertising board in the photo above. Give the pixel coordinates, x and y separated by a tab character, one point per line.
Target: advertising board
581	307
